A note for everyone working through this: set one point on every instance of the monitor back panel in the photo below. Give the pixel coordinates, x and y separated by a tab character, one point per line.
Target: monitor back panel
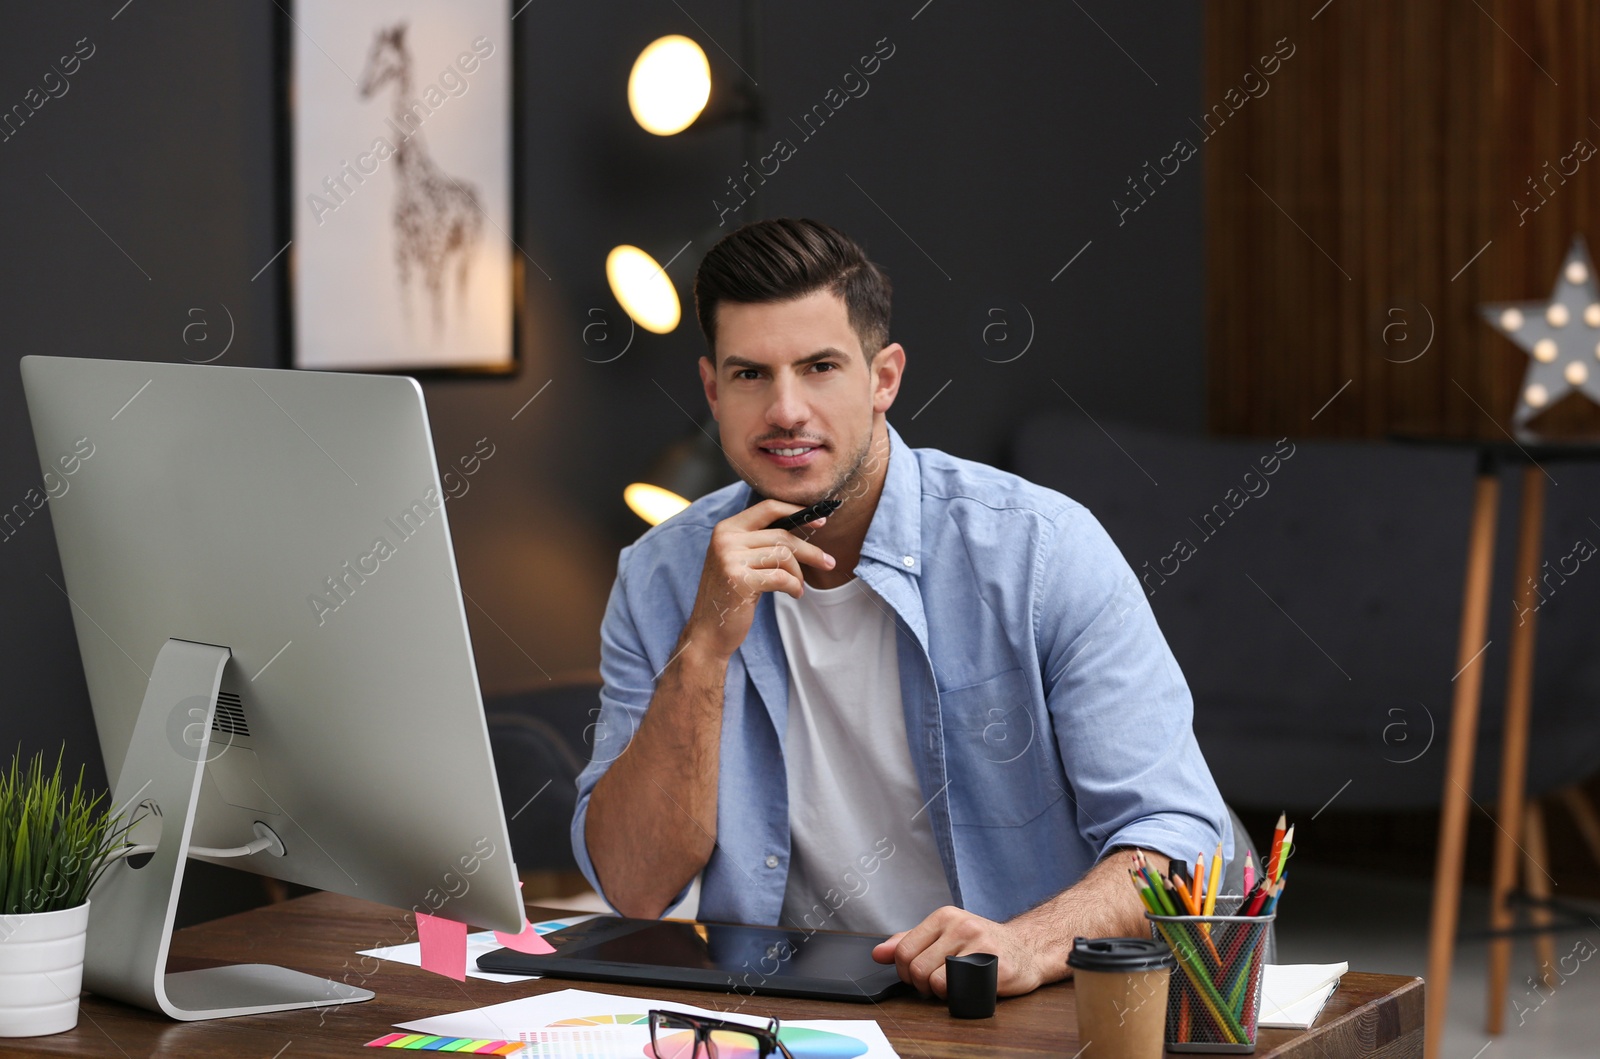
297	519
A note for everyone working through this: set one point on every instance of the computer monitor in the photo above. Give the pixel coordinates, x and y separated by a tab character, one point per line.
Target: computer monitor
260	573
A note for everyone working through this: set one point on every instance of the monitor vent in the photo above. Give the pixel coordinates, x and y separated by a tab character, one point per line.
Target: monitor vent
229	717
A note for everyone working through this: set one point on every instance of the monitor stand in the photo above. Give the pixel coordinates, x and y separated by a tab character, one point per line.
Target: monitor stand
131	910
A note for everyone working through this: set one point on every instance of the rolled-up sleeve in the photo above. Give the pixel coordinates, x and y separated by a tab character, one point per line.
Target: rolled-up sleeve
627	686
1121	710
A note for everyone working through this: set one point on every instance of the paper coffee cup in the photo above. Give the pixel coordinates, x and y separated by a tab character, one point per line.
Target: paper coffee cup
1121	987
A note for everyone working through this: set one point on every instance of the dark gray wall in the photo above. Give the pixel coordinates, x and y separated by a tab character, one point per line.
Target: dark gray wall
984	156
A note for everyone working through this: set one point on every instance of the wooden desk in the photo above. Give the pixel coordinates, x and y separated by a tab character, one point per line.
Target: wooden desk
1370	1015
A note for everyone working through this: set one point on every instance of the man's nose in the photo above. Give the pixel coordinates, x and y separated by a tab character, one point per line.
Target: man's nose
788	408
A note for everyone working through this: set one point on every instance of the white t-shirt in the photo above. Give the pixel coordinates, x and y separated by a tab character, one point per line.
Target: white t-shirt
861	850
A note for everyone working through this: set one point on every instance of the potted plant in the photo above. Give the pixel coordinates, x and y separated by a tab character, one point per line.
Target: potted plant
54	843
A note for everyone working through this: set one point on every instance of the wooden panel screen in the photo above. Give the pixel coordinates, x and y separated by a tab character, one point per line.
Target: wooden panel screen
1403	163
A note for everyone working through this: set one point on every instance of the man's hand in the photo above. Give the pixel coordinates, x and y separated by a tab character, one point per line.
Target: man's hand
1033	947
1026	960
743	560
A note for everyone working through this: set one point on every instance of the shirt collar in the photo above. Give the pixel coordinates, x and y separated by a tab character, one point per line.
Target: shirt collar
895	533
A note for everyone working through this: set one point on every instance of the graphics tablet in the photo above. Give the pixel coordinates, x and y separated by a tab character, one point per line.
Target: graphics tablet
723	956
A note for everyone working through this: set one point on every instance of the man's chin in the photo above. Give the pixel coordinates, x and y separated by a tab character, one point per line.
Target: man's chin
786	492
803	500
783	483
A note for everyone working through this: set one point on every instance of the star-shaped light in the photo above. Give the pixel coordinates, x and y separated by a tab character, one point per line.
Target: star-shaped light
1561	336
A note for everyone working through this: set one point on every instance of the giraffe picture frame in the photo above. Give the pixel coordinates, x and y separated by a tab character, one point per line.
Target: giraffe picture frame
400	186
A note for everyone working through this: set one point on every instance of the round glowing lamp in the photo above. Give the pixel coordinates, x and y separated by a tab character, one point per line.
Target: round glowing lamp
686	470
652	503
642	288
669	85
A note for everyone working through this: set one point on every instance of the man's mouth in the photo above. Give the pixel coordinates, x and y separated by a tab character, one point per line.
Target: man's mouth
791	455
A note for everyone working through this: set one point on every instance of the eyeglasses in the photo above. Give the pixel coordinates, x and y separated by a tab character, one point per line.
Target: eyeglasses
704	1044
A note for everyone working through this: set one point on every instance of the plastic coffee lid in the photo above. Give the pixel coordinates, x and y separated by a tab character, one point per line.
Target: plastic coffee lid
1120	954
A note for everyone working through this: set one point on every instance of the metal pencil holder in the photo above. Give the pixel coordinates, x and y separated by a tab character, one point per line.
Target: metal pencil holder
1215	999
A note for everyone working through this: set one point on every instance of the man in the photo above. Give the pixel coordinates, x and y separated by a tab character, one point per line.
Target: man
936	712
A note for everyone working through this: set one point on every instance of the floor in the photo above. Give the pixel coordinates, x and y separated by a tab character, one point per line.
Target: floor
1329	914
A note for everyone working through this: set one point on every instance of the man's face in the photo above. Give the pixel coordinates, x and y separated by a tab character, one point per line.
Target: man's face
792	375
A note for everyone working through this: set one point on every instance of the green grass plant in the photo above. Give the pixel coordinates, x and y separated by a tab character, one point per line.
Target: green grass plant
54	842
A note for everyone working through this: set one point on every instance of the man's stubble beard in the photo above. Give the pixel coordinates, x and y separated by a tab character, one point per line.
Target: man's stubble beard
848	481
846	485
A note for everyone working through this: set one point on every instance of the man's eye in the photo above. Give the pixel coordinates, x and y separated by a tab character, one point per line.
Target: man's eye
826	364
744	372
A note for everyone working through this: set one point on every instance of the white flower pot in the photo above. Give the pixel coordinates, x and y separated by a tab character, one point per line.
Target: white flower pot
41	971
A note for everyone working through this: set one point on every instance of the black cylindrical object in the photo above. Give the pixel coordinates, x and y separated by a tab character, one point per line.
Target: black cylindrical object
971	983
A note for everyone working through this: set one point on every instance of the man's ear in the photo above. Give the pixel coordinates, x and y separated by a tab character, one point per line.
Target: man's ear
888	368
708	381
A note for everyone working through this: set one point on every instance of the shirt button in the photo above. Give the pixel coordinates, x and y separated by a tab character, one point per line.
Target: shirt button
772	860
909	561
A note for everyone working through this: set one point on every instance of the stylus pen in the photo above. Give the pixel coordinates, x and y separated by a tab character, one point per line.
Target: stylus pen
821	509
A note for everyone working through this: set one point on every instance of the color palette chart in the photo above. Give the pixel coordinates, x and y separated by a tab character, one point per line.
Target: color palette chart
618	1036
423	1042
580	1042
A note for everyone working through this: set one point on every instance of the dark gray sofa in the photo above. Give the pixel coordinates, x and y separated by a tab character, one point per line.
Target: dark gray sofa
1316	620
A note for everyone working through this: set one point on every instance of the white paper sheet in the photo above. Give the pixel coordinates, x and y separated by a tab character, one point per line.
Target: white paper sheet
1292	995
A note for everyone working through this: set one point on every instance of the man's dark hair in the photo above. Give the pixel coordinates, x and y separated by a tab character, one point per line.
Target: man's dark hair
784	258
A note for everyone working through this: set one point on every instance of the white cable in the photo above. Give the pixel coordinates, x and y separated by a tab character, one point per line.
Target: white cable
265	842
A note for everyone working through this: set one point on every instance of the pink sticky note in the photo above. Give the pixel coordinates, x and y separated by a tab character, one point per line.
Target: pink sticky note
444	946
528	941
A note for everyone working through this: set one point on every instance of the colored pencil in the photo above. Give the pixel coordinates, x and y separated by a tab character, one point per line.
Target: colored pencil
1215	882
1247	968
1156	886
1249	872
1251	996
1272	903
1187	899
1198	890
1144	895
1271	865
1236	991
1283	854
1193	909
1157	891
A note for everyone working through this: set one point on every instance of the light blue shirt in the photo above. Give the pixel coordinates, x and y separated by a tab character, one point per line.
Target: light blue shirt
1047	719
